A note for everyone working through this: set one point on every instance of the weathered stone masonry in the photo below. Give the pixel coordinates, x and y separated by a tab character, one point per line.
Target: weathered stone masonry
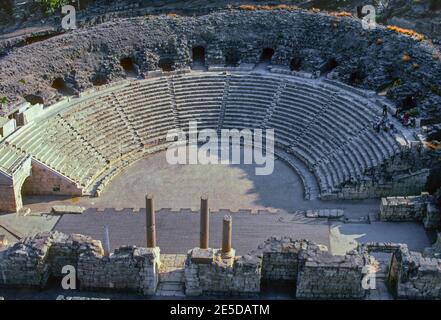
311	271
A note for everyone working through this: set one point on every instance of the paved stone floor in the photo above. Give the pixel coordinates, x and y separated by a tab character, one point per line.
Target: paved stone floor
171	276
271	203
177	232
227	186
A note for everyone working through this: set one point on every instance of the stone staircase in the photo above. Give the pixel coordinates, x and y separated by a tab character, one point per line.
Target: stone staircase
171	276
274	103
174	105
224	104
126	120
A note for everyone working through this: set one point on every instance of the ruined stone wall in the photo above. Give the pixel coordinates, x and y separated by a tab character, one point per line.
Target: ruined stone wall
415	277
80	56
410	208
30	263
414	208
7	194
10	187
331	277
45	181
234	276
306	267
319	275
128	268
281	258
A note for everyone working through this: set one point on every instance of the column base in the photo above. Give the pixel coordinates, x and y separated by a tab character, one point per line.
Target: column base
202	256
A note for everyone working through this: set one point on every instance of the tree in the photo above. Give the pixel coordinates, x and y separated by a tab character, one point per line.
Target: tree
4	100
50	6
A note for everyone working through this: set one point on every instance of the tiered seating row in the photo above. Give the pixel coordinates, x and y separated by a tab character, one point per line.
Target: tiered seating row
199	99
249	98
60	148
330	132
148	107
100	124
9	157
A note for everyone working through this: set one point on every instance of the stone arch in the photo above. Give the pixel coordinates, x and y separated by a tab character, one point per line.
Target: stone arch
34	99
330	64
129	66
198	55
166	64
409	102
295	63
60	85
232	57
356	77
267	54
99	79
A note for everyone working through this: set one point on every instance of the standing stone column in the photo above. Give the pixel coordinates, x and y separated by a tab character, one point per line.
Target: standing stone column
150	222
106	241
205	223
227	233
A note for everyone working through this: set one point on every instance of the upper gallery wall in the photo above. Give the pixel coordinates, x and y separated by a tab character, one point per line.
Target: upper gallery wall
405	67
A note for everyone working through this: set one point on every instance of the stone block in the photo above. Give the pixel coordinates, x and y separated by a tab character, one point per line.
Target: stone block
202	256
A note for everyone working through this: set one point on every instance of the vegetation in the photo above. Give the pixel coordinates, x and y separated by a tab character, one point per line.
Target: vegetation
413	112
249	7
412	33
50	6
4	100
406	57
343	14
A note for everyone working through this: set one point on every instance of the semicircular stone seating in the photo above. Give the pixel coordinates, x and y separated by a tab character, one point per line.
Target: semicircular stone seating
327	127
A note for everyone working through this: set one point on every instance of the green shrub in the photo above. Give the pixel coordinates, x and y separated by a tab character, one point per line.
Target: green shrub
414	112
4	100
50	6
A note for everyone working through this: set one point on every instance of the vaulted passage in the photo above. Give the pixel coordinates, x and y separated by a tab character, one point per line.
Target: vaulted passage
166	64
267	55
99	80
198	54
34	99
232	58
295	64
356	77
409	102
129	67
330	65
60	85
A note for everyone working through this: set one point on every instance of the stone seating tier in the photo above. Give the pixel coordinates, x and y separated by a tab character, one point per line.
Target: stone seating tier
327	128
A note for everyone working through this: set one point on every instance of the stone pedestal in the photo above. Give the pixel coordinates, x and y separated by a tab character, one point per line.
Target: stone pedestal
202	256
150	270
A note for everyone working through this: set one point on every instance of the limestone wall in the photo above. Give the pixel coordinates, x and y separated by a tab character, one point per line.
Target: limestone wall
45	181
413	276
414	208
11	184
308	268
235	276
30	263
331	277
7	127
128	268
281	257
317	273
